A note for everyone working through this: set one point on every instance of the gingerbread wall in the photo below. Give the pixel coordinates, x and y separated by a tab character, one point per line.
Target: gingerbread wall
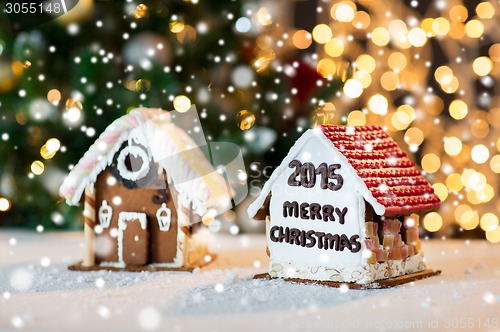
162	245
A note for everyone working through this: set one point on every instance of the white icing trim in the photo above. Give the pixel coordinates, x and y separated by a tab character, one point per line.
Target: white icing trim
170	146
164	220
122	168
357	182
123	217
361	274
113	264
105	217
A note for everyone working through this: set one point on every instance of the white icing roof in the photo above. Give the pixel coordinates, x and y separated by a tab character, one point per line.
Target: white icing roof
358	183
171	147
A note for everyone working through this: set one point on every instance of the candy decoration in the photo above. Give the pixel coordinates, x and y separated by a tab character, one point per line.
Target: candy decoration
89	224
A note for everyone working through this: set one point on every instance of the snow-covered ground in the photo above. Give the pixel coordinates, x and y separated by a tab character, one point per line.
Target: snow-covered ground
38	293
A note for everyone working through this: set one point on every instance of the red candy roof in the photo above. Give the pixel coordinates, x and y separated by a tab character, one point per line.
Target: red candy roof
392	178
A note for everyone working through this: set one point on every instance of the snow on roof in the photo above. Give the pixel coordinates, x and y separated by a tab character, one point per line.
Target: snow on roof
388	180
171	147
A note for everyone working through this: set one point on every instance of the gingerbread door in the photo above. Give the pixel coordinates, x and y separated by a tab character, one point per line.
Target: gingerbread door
133	238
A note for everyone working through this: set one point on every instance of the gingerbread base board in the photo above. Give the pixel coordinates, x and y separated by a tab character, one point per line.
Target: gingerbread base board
385	283
139	268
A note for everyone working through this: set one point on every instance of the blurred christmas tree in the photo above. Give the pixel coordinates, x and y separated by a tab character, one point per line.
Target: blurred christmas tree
63	82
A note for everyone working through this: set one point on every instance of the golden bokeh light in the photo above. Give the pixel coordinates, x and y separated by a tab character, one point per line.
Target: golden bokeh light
344	12
389	80
414	136
488	221
485	10
245	119
427	26
443	75
454	182
364	77
480	128
482	66
441	26
264	16
431	163
433	221
460	210
410	111
334	47
37	167
356	118
182	104
451	87
4	204
176	25
469	220
493	235
396	26
141	11
72	103
353	88
397	61
474	28
54	96
495	163
361	20
440	190
494	52
458	13
366	62
458	109
480	154
378	104
417	37
302	39
322	33
457	30
452	145
380	36
326	68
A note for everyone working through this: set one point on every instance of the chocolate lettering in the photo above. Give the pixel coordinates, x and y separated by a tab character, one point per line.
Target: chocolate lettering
341	214
302	238
304	213
294	236
290	209
322	170
328	212
331	241
271	233
315	209
311	238
320	235
307	175
292	179
355	243
337	177
344	243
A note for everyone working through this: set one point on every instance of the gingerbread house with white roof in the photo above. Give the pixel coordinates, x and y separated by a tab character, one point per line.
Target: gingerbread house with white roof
145	184
344	207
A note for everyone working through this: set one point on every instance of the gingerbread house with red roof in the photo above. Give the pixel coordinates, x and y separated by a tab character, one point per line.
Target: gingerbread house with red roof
344	206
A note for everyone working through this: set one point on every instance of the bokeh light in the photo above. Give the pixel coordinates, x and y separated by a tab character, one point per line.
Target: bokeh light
182	104
432	222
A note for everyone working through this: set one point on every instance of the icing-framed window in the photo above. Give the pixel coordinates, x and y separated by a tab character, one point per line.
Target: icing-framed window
133	162
134	166
164	217
105	214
